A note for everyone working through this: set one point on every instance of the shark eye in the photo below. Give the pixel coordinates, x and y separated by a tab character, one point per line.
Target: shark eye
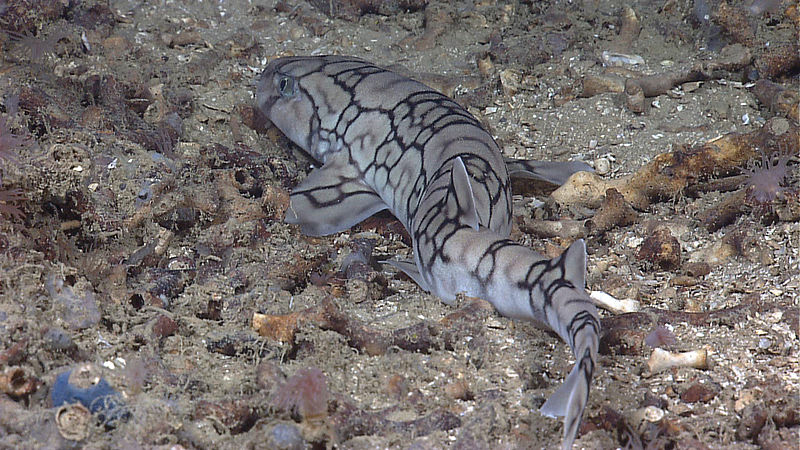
286	86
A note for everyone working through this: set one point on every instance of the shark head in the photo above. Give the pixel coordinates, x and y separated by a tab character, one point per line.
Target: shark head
281	98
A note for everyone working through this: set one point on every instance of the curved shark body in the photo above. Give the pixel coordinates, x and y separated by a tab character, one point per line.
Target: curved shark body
388	142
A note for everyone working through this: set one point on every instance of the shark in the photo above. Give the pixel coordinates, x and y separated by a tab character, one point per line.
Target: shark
386	141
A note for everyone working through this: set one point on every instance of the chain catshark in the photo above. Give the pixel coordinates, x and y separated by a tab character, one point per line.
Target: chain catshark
386	141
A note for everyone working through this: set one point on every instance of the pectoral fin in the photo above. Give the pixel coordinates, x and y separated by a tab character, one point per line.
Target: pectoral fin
330	200
410	269
555	172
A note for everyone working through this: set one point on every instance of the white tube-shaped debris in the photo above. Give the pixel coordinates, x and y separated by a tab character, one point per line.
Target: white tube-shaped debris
616	306
662	360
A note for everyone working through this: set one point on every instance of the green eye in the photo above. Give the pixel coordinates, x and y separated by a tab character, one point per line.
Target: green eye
286	86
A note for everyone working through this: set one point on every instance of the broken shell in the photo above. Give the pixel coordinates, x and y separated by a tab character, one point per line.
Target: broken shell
661	360
510	81
613	59
73	422
16	383
649	414
485	66
616	306
602	166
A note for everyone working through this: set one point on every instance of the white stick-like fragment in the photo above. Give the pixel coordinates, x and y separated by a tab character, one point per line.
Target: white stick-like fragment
663	360
616	306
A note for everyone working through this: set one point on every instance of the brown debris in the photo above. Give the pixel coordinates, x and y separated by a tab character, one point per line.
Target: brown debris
237	416
625	333
792	12
698	392
304	393
421	337
24	15
614	212
349	422
164	326
725	212
458	390
635	96
616	326
628	32
268	375
638	88
697	269
326	316
622	341
734	21
778	99
436	22
595	84
182	38
661	249
565	229
778	59
353	9
612	421
14	354
668	174
731	58
754	417
275	202
726	184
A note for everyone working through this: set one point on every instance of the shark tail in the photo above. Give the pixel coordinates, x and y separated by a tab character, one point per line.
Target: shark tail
571	397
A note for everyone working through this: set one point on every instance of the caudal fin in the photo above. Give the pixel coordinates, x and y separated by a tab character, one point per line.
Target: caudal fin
570	399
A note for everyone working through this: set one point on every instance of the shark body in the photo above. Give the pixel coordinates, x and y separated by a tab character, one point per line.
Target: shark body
388	142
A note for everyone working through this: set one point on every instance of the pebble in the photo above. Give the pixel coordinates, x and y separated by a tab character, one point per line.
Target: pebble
602	166
698	393
661	249
284	436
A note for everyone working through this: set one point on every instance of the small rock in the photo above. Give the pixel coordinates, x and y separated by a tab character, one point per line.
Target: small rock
164	326
661	249
285	436
697	269
698	393
269	375
458	390
753	420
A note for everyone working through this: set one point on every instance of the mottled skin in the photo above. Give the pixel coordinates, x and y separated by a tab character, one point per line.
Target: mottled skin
387	141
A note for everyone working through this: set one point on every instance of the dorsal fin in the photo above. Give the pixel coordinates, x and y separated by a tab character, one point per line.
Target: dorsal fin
574	259
462	189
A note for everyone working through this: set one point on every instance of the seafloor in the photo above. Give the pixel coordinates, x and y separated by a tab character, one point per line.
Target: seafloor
141	208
